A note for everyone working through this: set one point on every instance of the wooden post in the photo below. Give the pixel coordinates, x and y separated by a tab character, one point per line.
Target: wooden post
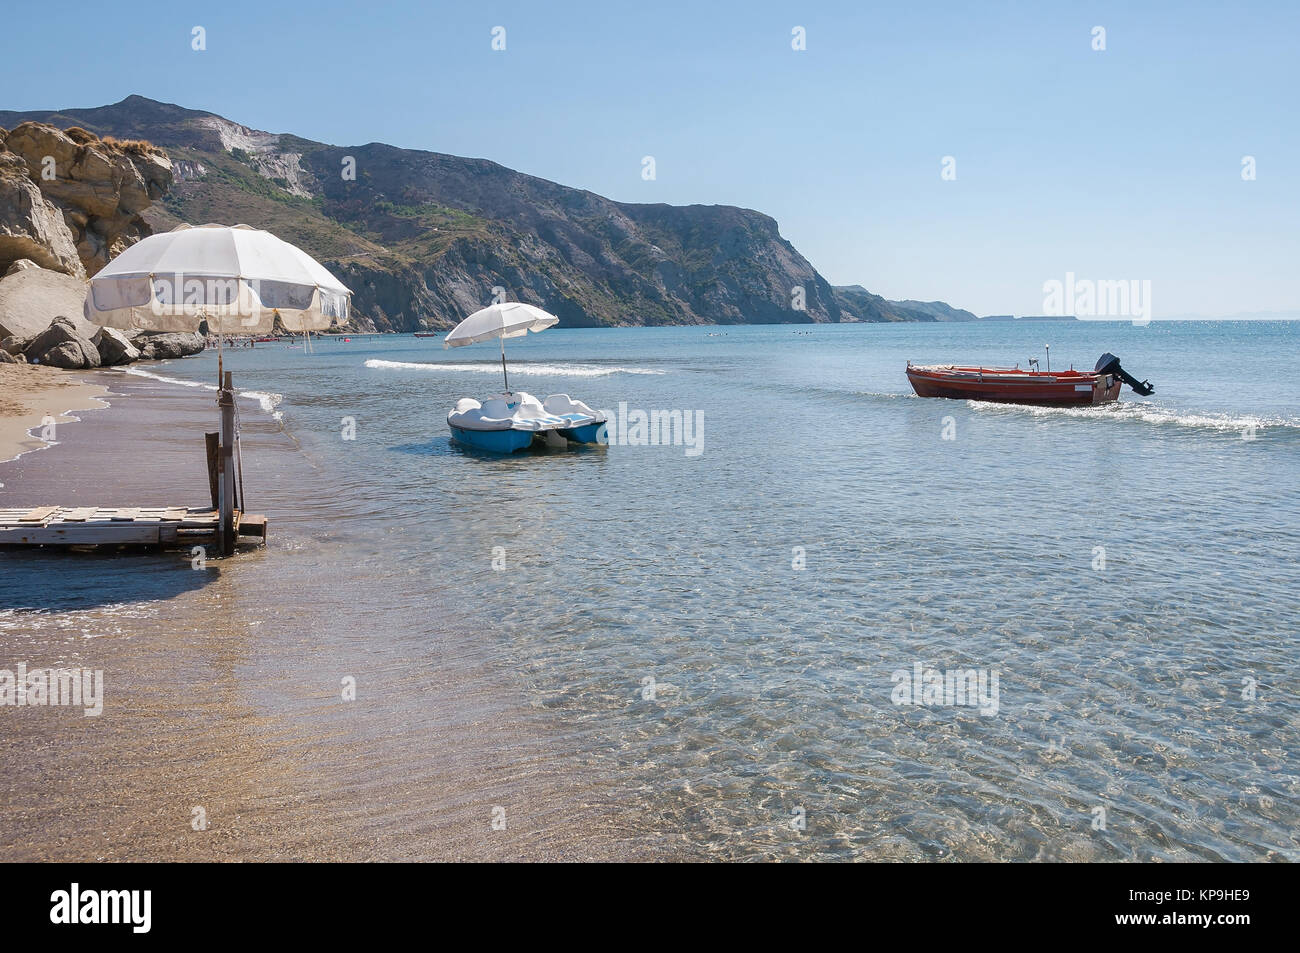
226	469
212	440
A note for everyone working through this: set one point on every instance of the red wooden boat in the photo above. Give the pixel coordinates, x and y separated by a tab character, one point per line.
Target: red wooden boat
1011	385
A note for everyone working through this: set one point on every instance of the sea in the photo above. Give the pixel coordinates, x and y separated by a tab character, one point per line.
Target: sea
800	613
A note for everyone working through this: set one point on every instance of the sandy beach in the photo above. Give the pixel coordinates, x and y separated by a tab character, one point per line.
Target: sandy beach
222	685
29	394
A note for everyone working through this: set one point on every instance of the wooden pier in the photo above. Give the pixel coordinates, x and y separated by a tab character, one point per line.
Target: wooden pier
220	526
164	526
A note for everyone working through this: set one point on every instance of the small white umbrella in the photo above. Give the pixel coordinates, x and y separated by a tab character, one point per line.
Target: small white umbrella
508	320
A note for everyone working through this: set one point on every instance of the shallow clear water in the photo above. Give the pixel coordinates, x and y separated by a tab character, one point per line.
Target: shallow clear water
651	624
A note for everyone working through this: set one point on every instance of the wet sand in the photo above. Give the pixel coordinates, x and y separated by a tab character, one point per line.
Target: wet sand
223	685
30	394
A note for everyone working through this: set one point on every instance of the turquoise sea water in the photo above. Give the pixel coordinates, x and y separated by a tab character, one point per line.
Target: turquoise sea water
715	639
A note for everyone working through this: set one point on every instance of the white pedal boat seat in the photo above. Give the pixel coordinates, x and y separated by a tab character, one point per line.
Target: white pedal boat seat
522	411
575	412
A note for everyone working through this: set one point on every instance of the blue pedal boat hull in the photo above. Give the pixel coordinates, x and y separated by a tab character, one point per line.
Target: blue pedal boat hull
588	433
495	441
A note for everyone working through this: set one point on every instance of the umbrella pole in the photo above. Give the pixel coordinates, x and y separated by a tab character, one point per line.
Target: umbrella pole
226	469
225	454
503	366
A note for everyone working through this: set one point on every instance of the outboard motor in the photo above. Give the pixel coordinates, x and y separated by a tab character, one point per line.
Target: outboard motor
1109	364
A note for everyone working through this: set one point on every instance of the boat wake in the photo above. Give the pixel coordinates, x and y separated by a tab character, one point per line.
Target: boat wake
535	370
1149	414
267	401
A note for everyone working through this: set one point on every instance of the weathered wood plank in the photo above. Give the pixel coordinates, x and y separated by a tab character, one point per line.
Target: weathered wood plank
39	514
205	521
252	524
72	534
175	526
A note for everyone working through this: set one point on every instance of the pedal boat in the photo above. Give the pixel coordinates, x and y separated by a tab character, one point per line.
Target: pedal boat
510	422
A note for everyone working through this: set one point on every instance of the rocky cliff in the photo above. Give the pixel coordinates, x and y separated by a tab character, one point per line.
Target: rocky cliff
857	301
422	238
69	200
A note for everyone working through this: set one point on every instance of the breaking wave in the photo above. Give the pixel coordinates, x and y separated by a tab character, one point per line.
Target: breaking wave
267	401
1148	413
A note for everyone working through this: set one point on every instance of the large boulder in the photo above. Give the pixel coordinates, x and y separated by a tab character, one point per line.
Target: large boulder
33	297
7	358
115	347
98	187
22	264
86	177
61	345
71	355
14	344
34	141
168	345
31	227
156	170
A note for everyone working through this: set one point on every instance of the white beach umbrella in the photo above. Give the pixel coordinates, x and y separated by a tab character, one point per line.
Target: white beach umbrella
508	320
236	278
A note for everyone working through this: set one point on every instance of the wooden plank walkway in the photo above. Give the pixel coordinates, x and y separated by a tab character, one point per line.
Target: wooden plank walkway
119	526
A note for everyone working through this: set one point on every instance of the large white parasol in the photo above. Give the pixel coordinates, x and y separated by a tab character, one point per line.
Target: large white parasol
508	320
236	278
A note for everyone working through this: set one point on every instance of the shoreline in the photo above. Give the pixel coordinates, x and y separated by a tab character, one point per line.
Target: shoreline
219	693
30	393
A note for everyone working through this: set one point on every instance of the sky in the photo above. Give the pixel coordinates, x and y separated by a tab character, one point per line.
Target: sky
1123	163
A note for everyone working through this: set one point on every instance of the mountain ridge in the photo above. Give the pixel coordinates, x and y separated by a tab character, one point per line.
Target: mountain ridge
423	238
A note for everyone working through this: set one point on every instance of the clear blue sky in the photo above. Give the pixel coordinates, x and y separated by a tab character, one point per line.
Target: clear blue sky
1123	164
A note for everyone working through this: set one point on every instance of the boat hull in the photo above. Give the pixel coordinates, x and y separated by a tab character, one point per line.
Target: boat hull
589	433
494	441
1004	386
